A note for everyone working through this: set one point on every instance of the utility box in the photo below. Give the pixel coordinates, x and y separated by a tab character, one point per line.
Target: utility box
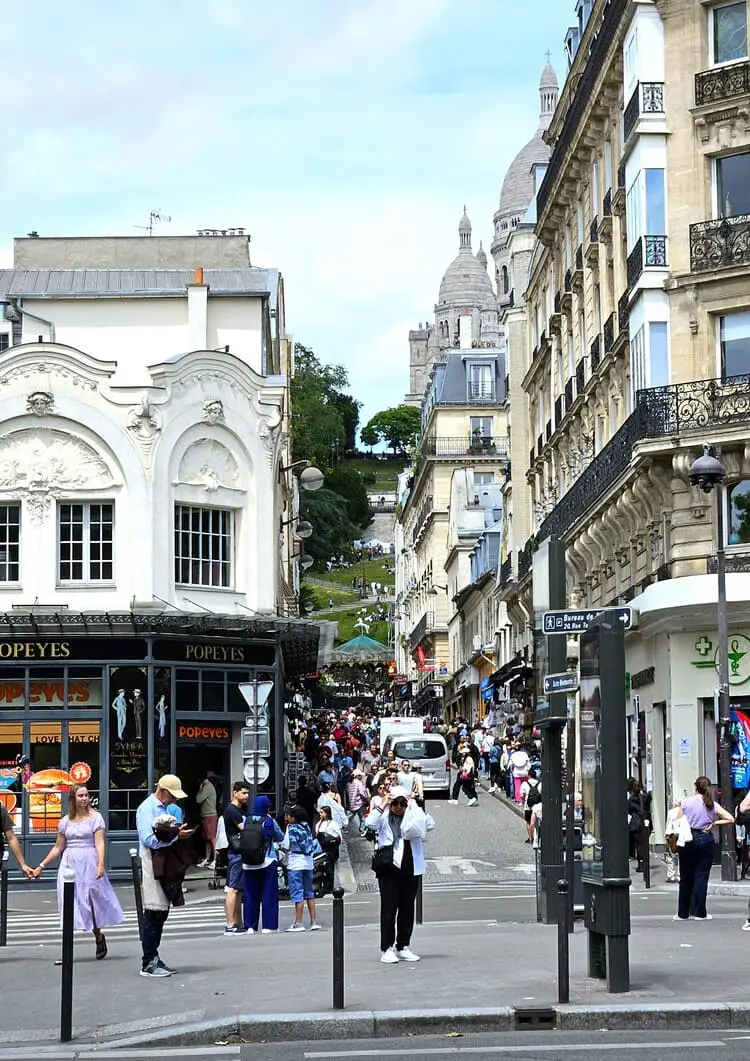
606	875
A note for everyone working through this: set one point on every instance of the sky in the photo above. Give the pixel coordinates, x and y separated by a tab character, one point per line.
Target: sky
345	136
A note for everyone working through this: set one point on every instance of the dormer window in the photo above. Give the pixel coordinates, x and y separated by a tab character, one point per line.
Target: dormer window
481	382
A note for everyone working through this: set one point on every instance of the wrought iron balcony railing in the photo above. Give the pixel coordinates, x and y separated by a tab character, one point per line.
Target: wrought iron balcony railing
424	513
579	257
466	445
506	570
660	412
569	396
559	410
568	281
484	392
607	207
548	431
720	244
580	377
650	252
623	312
524	559
425	624
647	98
595	352
609	333
722	83
539	445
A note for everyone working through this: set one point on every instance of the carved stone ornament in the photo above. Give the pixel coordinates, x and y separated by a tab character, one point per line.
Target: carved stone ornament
40	465
145	421
213	411
40	403
209	464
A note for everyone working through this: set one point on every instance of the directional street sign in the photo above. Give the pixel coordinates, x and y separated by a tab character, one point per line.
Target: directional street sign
575	621
566	682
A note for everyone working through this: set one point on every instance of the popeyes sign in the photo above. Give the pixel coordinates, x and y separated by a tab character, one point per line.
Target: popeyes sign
51	694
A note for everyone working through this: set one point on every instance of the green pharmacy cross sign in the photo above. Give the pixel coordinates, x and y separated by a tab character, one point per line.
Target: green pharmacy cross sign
738	656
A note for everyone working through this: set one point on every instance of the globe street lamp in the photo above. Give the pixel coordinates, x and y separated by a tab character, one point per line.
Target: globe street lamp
708	472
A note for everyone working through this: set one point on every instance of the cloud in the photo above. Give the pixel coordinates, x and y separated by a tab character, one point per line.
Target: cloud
344	136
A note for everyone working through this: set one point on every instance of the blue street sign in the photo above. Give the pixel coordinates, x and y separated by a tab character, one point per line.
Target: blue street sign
576	620
567	682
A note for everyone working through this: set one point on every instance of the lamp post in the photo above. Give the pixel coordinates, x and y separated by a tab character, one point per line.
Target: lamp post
708	472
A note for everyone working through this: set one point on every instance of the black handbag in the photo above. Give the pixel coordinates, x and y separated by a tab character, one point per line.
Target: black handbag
382	859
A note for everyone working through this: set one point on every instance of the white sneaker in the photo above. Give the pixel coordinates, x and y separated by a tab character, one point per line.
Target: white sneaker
267	931
203	862
388	957
406	955
453	801
746	927
708	917
473	802
251	932
296	928
492	788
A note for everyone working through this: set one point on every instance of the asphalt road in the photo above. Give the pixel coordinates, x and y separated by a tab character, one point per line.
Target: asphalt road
725	1045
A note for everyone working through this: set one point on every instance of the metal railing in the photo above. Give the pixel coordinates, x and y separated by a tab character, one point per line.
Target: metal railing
647	98
722	83
569	396
623	312
650	252
424	513
481	392
580	376
609	333
595	353
466	445
607	207
426	623
720	243
506	570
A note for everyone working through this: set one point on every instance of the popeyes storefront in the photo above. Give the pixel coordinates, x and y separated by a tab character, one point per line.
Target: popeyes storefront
115	712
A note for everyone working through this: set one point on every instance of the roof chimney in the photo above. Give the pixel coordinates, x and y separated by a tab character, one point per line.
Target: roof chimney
198	275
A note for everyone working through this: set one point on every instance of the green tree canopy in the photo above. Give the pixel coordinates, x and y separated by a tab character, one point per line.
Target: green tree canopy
333	528
349	483
321	410
400	427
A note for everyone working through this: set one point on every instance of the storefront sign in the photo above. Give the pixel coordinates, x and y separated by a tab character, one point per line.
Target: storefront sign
189	731
738	656
111	648
81	693
642	678
78	733
215	652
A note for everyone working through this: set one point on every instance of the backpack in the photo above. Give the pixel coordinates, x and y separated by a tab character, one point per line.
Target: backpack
534	796
253	844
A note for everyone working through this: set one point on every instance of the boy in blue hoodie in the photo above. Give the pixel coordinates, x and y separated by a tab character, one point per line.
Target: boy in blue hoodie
261	883
298	842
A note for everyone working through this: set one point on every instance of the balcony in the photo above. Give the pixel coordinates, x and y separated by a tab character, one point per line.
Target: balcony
539	445
569	396
595	351
477	445
580	377
555	319
586	91
605	222
660	412
548	431
647	98
609	333
481	392
722	83
720	244
524	559
577	276
623	313
424	513
559	410
566	299
592	251
420	631
532	457
506	571
650	252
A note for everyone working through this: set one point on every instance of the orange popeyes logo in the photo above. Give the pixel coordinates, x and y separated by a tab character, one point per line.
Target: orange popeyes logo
203	732
45	692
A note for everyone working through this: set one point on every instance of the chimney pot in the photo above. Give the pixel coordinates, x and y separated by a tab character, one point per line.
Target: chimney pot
198	275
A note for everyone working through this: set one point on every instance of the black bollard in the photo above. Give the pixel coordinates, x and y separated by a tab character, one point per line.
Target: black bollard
66	986
338	948
4	902
644	854
563	970
420	911
135	866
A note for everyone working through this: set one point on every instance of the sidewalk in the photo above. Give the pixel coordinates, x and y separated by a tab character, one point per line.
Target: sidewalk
463	981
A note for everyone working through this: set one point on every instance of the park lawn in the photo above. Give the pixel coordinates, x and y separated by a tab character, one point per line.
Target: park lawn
385	471
320	595
347	629
372	570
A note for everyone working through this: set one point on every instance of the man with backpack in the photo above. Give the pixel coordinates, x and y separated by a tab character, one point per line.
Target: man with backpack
258	838
299	844
234	823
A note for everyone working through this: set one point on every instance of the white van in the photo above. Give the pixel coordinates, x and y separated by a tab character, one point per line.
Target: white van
397	726
431	752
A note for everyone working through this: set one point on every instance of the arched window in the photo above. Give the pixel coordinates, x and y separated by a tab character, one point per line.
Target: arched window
739	513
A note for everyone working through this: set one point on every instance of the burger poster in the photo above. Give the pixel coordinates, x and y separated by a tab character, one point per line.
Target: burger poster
45	789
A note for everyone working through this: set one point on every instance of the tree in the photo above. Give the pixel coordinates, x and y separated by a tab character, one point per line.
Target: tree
400	427
321	411
349	483
334	530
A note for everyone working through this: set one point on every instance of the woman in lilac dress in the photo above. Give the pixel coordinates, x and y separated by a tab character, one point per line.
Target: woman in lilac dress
80	842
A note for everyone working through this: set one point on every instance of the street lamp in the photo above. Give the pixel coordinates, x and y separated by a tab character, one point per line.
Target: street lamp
708	472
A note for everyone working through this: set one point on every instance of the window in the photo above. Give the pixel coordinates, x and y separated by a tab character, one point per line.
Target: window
739	513
203	546
638	360
733	185
658	355
505	280
595	188
582	333
728	32
656	224
734	342
481	382
85	545
10	534
484	478
4	340
631	63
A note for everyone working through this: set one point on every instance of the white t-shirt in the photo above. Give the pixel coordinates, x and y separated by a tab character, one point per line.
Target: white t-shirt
332	829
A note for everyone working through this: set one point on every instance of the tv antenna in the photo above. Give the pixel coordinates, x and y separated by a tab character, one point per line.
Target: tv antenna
154	218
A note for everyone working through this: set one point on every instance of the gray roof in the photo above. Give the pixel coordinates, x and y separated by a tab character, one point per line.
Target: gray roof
450	386
99	283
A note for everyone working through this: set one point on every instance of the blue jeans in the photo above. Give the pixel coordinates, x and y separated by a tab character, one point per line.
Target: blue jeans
696	859
261	889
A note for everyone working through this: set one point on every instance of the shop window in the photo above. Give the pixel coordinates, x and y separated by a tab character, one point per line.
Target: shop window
203	546
728	32
739	513
213	690
734	342
162	719
85	545
127	745
84	687
10	539
188	690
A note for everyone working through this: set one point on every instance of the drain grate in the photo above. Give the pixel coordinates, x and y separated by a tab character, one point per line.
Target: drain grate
534	1019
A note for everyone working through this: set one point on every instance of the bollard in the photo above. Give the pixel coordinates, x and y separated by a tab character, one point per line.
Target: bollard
420	911
563	970
644	854
66	986
4	902
338	948
135	866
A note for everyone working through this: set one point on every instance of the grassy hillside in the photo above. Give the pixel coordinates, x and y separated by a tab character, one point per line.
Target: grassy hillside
383	472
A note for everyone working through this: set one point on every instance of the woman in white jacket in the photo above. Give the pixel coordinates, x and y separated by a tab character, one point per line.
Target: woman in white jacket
400	827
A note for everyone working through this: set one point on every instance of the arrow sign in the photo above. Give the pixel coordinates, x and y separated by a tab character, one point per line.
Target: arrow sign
577	620
567	682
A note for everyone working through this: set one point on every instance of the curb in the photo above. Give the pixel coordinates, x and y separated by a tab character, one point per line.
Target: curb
374	1024
502	798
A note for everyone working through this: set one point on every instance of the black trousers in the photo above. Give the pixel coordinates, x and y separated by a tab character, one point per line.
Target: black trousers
468	787
153	926
398	893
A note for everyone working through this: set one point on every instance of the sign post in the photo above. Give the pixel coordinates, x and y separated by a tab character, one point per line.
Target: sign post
255	695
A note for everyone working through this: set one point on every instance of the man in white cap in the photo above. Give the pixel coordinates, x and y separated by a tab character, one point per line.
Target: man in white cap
155	902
